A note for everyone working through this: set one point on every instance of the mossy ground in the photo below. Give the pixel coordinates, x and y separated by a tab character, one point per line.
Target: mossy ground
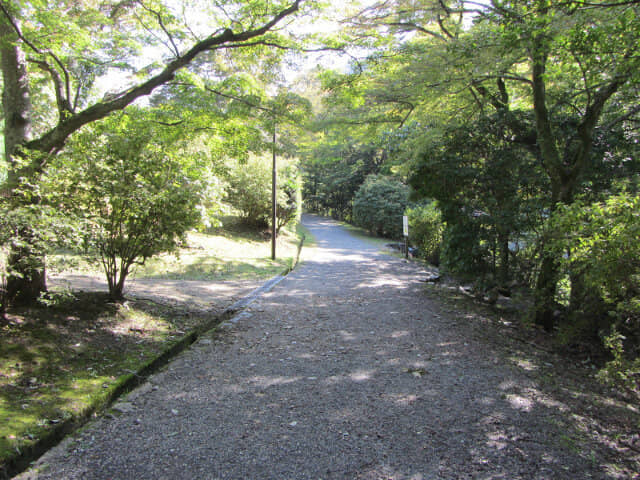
59	361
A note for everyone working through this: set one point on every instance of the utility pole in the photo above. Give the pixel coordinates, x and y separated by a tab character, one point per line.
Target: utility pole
273	193
274	213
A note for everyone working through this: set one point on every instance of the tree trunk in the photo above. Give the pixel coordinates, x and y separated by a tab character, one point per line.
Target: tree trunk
26	275
16	100
545	293
563	187
503	249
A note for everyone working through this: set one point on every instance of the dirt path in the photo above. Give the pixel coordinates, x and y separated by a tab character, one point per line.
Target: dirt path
345	370
213	297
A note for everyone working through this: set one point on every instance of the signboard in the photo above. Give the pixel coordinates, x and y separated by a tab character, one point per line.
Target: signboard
405	226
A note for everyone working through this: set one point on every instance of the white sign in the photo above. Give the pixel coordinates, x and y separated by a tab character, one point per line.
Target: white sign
405	226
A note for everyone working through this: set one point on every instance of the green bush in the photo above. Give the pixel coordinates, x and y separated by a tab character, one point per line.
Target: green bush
623	369
249	191
599	251
289	204
425	231
30	229
379	206
135	195
463	251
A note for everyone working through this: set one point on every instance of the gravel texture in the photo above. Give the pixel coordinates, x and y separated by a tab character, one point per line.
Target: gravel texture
345	370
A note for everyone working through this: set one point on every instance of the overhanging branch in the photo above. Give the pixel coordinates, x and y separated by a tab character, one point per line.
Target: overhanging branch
54	139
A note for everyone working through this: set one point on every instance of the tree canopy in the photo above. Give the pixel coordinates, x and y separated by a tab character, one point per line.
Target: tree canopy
54	54
505	112
497	116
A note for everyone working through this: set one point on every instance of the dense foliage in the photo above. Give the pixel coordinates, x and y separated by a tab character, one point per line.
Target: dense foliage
506	114
379	205
425	231
249	191
132	191
598	244
68	64
518	119
333	175
490	192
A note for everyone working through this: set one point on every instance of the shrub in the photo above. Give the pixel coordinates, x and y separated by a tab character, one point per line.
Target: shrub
249	191
288	206
136	195
28	232
425	231
599	251
379	206
464	253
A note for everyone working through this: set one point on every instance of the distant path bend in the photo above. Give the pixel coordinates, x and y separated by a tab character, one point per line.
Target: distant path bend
345	370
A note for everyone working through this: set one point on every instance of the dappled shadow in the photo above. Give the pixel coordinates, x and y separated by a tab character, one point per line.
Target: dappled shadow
233	227
347	370
212	269
192	294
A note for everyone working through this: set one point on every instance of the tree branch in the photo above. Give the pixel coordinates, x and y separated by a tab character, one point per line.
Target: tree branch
64	107
175	49
54	139
16	28
622	118
63	89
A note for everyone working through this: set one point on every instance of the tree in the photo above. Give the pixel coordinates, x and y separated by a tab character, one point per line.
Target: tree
335	167
599	241
489	189
131	186
573	65
597	50
249	190
83	42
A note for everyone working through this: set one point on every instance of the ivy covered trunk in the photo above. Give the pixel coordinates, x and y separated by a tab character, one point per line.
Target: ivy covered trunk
27	278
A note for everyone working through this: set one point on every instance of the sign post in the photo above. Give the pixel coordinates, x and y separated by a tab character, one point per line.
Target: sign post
405	232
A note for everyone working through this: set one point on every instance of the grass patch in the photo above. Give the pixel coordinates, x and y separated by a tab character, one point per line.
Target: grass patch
303	232
66	358
232	253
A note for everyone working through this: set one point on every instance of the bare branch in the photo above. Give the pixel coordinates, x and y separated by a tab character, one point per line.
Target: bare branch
63	89
239	99
444	29
16	28
416	27
158	16
64	107
169	124
622	118
406	117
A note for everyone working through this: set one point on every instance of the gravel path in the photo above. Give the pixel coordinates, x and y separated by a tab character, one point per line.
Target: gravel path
345	370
